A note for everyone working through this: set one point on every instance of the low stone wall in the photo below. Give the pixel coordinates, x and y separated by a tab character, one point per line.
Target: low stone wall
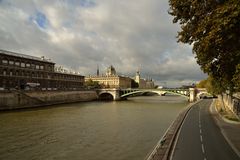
233	103
16	99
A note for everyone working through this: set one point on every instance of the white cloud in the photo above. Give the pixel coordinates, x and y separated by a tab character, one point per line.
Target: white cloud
127	34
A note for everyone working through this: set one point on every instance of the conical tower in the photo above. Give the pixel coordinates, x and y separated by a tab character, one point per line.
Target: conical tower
137	77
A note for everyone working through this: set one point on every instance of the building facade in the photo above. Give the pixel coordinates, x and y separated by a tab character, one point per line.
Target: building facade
111	79
19	70
111	71
150	83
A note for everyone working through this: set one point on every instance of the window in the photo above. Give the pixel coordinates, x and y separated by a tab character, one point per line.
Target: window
33	66
50	67
27	65
22	64
17	63
41	67
5	61
37	66
11	62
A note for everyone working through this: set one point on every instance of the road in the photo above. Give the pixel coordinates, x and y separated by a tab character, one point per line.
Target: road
200	138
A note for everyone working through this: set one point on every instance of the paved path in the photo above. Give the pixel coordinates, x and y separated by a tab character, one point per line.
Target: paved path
200	138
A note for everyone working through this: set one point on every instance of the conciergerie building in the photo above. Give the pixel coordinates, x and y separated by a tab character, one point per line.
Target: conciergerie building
20	71
110	79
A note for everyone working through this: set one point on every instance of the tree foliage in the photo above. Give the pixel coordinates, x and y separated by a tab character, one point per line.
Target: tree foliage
134	84
236	78
92	84
202	84
211	85
213	28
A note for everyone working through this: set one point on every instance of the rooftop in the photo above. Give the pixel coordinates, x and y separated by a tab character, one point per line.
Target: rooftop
25	56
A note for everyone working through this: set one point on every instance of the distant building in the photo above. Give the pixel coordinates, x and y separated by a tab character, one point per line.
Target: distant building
188	86
20	70
111	79
111	71
150	83
160	87
142	83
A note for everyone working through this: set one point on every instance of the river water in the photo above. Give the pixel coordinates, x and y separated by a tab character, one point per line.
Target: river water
124	130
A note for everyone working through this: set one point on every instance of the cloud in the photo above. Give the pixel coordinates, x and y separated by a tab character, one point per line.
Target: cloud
86	33
87	3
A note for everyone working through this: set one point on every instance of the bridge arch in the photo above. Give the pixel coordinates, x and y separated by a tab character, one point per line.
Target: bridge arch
117	94
178	94
131	94
137	92
200	94
106	96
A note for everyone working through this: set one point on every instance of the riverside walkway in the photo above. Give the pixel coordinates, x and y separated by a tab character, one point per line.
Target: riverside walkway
200	138
199	133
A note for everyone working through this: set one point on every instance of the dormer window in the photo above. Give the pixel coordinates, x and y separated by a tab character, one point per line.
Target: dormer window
27	65
22	64
17	63
4	61
11	62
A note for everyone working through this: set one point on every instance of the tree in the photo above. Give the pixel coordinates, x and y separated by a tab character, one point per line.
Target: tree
211	85
212	27
202	84
236	78
92	84
134	84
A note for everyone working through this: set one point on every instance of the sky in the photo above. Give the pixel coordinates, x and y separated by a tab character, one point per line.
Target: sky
80	35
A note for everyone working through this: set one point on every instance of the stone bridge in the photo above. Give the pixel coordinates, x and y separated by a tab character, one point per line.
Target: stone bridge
191	94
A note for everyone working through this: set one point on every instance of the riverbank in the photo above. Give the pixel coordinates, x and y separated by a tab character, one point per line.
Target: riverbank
28	99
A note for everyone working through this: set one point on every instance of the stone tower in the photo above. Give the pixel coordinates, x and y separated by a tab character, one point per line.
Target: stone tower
111	71
137	77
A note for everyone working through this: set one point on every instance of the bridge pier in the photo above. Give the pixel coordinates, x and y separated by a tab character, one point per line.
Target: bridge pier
116	95
192	95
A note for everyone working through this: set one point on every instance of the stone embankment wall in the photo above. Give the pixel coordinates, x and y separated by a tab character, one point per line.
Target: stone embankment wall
17	99
233	103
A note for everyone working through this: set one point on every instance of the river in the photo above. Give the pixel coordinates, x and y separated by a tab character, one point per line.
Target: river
123	130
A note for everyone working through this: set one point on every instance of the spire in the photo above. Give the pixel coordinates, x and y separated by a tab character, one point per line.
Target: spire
138	72
97	70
